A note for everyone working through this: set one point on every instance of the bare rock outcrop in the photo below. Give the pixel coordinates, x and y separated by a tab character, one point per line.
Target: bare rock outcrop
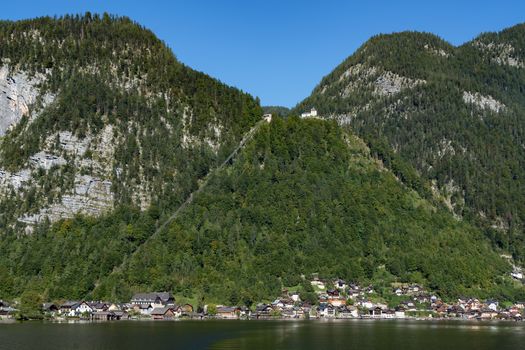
18	92
488	102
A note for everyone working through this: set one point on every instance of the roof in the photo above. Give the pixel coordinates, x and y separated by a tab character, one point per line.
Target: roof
97	304
163	296
47	306
145	296
262	307
161	310
70	304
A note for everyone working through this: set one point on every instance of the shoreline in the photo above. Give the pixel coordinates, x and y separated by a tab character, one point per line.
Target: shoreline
280	319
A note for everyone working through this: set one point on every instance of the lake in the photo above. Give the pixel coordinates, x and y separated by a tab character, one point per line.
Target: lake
314	334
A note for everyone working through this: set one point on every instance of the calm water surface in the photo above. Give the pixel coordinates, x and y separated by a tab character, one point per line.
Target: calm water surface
343	334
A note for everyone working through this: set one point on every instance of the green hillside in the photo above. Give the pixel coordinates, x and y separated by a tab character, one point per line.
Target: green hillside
307	197
452	116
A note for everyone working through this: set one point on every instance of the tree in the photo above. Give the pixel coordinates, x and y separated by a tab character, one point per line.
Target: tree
30	305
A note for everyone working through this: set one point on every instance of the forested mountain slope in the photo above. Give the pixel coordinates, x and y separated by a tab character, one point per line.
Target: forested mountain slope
105	134
307	197
452	116
302	197
96	112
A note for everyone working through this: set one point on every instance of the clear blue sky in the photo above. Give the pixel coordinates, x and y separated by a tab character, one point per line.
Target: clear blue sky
279	50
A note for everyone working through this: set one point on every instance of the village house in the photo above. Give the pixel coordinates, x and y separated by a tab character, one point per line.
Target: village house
263	311
288	313
75	308
375	312
409	305
335	298
162	313
422	298
6	310
353	291
121	315
185	310
83	309
326	310
492	305
487	314
228	312
68	308
347	312
109	315
98	306
339	284
116	307
520	305
295	297
50	309
155	299
144	309
367	304
283	303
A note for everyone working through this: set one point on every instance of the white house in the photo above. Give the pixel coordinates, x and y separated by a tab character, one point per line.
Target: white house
311	114
492	305
367	303
340	284
295	297
327	310
80	309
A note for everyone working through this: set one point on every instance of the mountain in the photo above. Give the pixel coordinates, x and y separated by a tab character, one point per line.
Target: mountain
449	121
97	113
123	170
307	197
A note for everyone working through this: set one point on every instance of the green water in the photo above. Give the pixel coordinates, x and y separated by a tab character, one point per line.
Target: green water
344	334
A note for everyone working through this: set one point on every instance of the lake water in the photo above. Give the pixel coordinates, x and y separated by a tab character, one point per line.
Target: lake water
315	334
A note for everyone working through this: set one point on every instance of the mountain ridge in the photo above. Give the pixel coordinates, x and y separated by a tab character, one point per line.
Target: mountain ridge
453	113
127	133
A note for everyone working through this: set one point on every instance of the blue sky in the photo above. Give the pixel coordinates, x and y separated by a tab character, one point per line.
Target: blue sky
279	50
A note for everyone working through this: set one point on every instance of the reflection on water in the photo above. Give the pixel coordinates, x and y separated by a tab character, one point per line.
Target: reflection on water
338	334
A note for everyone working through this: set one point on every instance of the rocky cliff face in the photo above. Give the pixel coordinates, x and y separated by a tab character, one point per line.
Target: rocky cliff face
91	192
18	92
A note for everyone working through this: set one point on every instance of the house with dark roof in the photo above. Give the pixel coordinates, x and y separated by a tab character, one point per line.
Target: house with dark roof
6	310
144	309
68	308
156	299
263	310
98	306
50	308
163	313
